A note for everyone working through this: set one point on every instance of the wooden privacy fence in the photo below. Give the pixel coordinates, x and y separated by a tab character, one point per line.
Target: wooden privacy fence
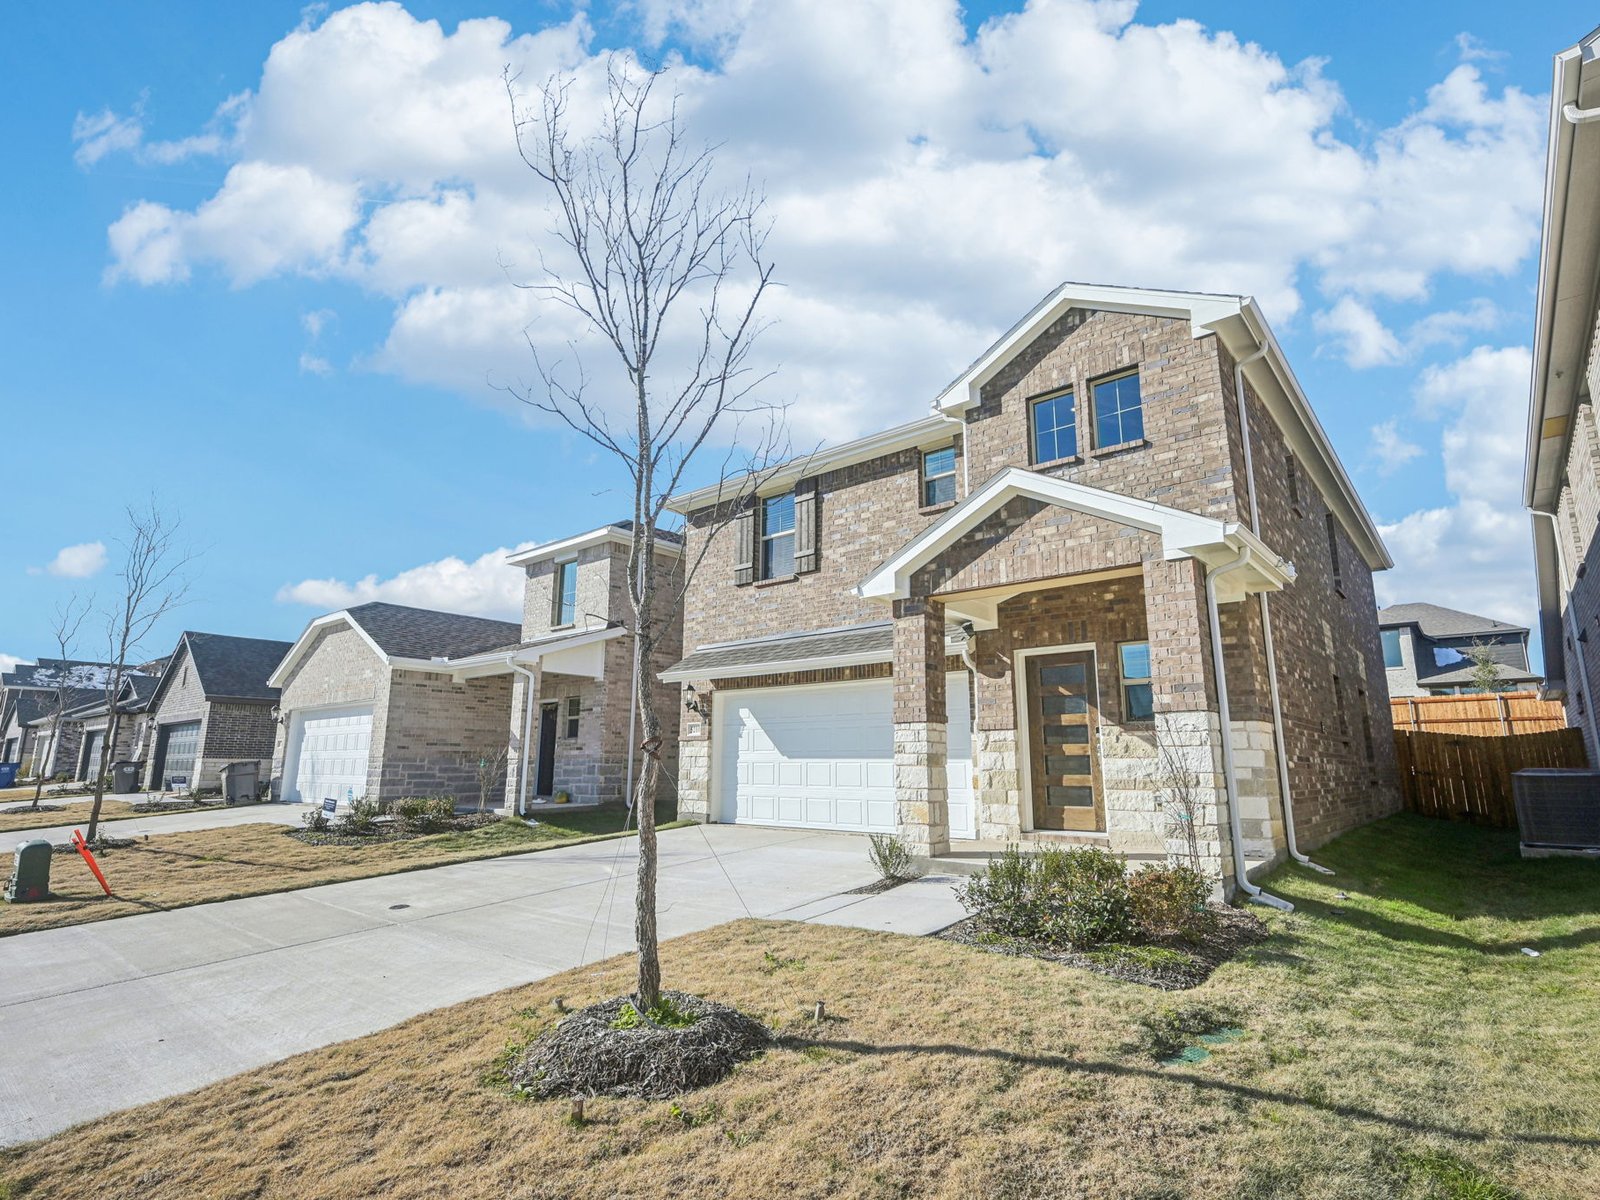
1469	778
1495	714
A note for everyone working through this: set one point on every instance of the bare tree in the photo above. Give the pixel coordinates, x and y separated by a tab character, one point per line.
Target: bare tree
489	771
70	682
1182	802
154	582
666	270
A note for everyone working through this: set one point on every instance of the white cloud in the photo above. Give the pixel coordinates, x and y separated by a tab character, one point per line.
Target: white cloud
485	587
106	132
102	134
315	364
10	662
1391	450
1222	170
75	562
1478	547
1362	339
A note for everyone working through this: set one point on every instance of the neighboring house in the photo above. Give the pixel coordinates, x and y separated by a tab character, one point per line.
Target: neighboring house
1427	650
1562	471
369	707
81	752
213	706
1000	622
31	692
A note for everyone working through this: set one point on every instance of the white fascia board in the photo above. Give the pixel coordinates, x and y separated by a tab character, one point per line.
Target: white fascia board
860	658
583	541
1178	529
280	675
500	662
1202	310
926	433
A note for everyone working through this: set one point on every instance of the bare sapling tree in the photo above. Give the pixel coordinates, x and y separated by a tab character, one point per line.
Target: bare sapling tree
154	581
1182	802
70	682
488	771
665	270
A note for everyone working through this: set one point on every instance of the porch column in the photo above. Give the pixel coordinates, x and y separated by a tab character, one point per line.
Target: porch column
524	700
921	732
1188	729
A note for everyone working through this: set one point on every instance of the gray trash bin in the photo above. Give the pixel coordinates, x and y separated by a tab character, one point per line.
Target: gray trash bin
239	782
124	778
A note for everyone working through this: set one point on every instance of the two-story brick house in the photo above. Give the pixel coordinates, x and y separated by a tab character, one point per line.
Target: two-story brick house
1033	613
1428	650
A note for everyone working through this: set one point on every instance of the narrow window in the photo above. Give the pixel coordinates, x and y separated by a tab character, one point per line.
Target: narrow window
1137	702
777	536
1338	708
1118	410
573	705
939	476
1366	724
1055	427
1333	554
1293	474
1391	648
565	611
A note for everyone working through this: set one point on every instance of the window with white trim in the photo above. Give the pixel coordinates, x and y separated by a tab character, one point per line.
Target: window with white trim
574	708
1118	410
564	610
1138	701
938	476
1055	427
777	536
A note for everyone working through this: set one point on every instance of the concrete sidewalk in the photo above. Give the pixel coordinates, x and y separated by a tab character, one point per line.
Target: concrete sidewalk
183	998
157	823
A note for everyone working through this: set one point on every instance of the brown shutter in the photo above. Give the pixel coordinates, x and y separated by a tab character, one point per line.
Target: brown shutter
744	547
806	557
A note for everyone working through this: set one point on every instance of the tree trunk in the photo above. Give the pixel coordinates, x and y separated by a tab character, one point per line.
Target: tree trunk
38	776
100	775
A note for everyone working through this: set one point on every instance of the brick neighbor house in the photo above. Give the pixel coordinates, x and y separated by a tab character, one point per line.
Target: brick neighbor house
82	751
1427	650
1562	472
213	706
28	698
1016	617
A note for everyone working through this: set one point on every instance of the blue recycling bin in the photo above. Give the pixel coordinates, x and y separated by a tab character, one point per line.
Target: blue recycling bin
8	774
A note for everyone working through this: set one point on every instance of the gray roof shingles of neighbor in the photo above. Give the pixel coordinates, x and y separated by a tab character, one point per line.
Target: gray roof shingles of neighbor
235	668
403	632
763	654
1437	622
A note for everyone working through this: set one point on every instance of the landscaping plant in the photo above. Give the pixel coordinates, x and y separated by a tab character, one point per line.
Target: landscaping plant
425	814
889	856
1076	897
1170	902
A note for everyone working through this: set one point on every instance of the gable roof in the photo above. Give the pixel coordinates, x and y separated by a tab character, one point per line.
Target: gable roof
667	542
46	673
226	667
407	637
1437	622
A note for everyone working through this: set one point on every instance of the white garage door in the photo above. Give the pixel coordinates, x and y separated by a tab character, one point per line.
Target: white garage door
822	757
328	757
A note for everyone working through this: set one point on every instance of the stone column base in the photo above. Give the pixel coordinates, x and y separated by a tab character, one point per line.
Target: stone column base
921	789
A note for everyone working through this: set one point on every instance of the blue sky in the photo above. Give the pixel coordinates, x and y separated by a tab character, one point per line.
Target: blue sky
282	315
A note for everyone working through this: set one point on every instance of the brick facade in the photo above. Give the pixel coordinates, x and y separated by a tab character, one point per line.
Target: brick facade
230	731
1191	457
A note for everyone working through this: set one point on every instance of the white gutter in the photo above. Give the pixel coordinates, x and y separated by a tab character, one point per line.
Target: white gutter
530	680
966	459
1280	751
1229	775
1579	116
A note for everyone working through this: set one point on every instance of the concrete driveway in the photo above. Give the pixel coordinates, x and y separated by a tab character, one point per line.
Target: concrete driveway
94	1018
158	823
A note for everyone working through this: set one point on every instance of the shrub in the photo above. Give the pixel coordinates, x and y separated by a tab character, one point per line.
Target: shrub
360	817
1075	897
316	821
1167	1031
889	855
1171	902
425	814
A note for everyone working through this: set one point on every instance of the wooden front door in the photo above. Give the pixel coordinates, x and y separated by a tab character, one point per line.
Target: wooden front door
1063	715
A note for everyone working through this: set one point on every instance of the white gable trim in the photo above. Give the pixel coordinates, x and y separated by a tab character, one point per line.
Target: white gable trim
280	675
567	653
1183	534
595	537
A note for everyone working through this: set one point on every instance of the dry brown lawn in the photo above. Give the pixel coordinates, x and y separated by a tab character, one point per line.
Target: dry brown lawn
205	865
73	812
1397	1044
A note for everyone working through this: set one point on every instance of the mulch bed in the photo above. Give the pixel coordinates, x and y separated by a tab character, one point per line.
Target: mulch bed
876	886
586	1055
29	808
388	829
1234	931
167	806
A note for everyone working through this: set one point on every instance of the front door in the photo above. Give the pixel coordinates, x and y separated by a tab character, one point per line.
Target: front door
1063	714
545	780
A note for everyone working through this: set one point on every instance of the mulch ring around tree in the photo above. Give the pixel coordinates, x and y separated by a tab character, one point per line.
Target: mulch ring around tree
388	829
607	1049
1171	965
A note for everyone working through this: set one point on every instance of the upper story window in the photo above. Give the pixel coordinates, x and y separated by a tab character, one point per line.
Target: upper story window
1333	554
1055	427
1138	703
564	609
1118	410
1391	648
939	476
777	536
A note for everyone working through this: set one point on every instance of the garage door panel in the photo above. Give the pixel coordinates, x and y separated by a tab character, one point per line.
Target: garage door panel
331	755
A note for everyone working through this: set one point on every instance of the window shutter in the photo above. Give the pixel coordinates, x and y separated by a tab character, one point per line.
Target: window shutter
744	547
806	557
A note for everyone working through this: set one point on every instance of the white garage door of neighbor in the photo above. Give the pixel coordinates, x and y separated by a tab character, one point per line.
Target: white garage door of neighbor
330	755
822	757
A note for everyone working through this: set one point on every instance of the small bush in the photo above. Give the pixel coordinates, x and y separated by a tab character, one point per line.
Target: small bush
360	817
316	821
1162	1034
426	814
663	1013
889	855
1075	897
1171	902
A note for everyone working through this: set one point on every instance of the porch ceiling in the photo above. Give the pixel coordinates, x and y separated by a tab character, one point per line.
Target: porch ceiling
1183	535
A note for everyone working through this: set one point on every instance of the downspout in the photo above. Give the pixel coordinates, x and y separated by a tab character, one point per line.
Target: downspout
1571	626
966	459
529	681
1280	751
1580	116
1229	777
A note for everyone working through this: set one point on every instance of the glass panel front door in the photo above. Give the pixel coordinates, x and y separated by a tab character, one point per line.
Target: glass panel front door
1063	711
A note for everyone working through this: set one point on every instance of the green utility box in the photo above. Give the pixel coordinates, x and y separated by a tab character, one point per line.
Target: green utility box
30	872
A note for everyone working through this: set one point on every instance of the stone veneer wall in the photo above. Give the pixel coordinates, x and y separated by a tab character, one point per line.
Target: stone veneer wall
435	732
